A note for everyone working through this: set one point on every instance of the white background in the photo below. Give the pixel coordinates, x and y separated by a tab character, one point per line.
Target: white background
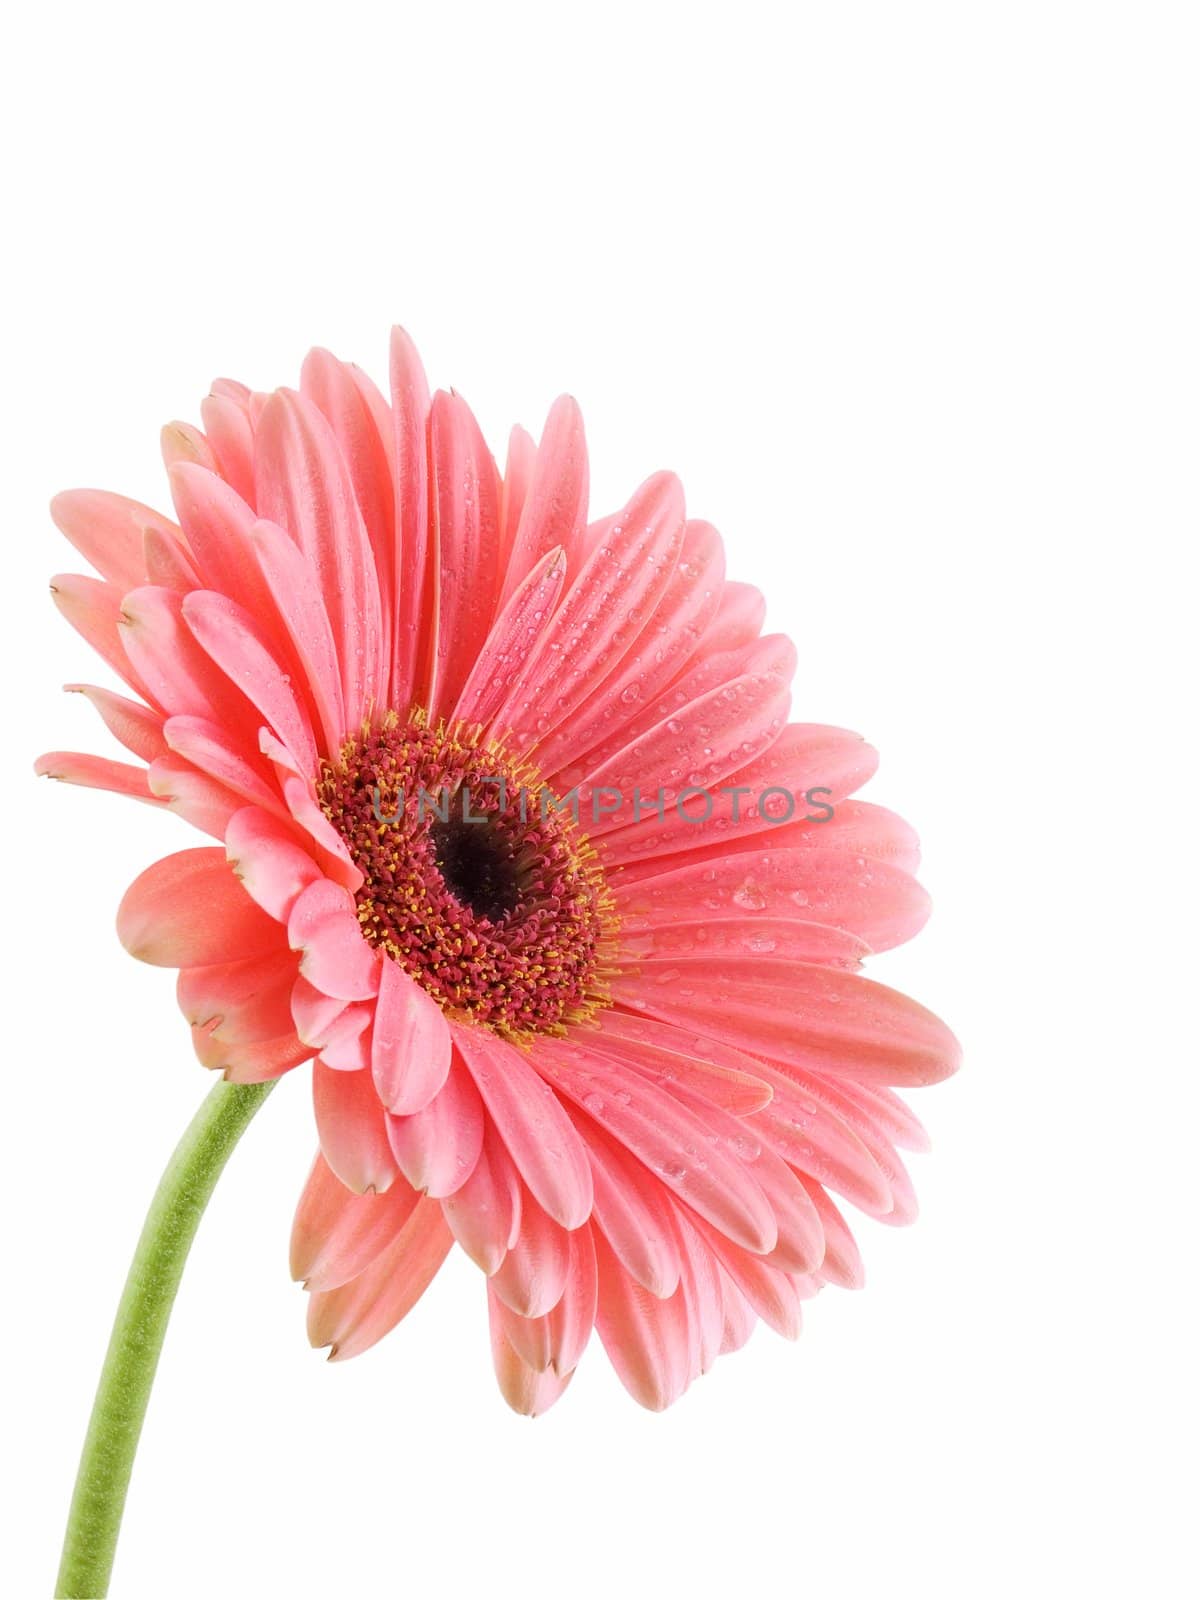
908	295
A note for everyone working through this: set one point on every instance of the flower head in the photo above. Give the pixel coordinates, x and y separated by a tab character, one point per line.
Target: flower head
517	845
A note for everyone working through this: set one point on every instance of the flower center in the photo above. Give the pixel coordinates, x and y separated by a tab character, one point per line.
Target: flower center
477	878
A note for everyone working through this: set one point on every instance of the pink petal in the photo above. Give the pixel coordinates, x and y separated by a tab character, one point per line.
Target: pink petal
410	1051
529	1393
135	726
179	674
874	902
646	1339
337	1233
466	530
96	772
511	640
699	748
240	1002
168	564
668	639
438	1148
809	1017
633	1211
255	1062
230	639
826	764
602	614
350	1125
324	926
667	1137
180	442
193	795
264	854
529	1118
304	486
410	414
724	1077
532	1276
485	1213
662	946
217	524
361	423
295	589
211	748
842	1264
514	490
188	910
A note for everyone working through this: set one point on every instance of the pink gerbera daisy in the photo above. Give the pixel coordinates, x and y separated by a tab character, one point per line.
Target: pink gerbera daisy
517	844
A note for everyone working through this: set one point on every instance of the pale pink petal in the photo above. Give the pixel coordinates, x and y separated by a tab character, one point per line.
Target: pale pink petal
890	1114
315	1013
93	608
107	531
529	1118
646	1338
231	439
323	925
438	1147
188	910
554	504
532	1276
357	1315
529	1393
200	800
351	1128
330	846
180	442
337	1234
485	1213
168	564
135	726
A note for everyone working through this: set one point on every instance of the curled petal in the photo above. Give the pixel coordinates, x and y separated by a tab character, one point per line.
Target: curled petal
188	910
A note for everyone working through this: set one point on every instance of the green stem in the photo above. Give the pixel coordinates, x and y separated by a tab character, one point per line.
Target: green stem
137	1336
